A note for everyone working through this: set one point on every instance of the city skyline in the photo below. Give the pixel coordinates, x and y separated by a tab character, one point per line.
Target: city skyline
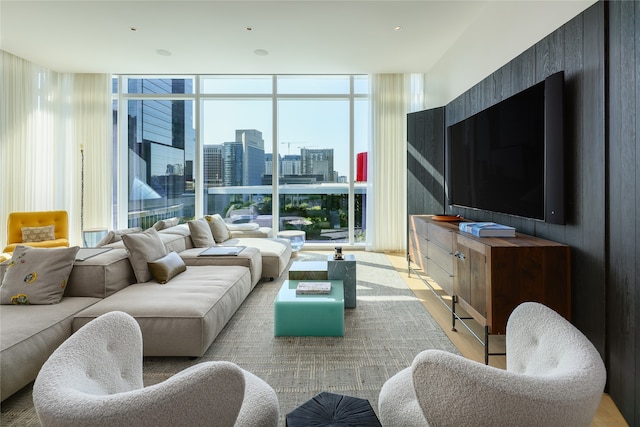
302	123
244	162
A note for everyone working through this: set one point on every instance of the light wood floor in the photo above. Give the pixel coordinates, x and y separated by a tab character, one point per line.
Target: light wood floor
470	347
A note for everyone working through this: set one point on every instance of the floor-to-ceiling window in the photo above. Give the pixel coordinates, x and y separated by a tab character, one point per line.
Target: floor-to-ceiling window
157	146
213	144
237	137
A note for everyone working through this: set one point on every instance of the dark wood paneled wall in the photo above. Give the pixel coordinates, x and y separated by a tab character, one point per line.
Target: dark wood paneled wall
623	293
599	53
576	48
425	161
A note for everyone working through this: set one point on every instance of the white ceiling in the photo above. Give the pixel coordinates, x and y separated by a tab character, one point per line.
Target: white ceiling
300	37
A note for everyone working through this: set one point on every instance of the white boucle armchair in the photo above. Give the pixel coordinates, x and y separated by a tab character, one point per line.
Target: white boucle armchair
95	379
554	377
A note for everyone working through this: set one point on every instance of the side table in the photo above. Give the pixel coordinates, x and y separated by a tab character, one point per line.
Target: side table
91	236
344	270
329	409
308	315
296	237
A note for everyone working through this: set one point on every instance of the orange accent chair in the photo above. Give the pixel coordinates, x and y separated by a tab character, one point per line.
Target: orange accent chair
18	220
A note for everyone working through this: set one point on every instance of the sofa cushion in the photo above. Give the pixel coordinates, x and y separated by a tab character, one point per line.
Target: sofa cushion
116	236
37	275
275	253
249	257
183	317
201	235
144	247
38	234
218	227
167	267
101	275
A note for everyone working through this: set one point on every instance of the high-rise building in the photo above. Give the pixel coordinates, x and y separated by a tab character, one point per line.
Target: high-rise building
212	171
253	155
232	163
318	162
290	165
160	134
243	159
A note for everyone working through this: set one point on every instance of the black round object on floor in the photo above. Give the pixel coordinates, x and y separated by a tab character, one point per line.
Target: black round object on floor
329	409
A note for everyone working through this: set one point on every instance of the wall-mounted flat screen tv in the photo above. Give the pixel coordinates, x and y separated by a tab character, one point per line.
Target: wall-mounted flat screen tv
509	158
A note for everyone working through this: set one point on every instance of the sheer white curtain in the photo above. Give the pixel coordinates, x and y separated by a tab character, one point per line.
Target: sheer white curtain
93	132
44	117
392	97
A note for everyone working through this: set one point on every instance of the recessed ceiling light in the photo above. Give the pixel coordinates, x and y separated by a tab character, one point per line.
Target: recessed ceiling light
133	29
163	52
248	28
397	28
261	52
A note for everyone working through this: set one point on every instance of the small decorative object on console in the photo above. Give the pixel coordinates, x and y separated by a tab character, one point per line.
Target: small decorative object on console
487	229
337	255
448	218
312	288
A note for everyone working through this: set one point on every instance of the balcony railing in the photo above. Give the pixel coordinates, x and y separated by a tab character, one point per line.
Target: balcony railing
321	210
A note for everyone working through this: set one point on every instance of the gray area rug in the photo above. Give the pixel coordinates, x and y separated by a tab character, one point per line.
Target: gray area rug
383	334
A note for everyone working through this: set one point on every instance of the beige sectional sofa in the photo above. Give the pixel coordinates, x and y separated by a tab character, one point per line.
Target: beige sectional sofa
179	318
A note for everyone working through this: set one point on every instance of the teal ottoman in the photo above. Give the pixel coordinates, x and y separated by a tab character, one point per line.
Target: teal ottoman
309	315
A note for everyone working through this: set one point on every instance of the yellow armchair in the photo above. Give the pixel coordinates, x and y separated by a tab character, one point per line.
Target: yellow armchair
18	220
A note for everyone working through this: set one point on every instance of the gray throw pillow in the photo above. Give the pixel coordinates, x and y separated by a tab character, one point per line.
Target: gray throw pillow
37	275
201	233
116	235
218	227
166	223
144	247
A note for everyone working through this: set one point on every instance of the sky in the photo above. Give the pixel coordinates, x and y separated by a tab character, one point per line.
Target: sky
318	123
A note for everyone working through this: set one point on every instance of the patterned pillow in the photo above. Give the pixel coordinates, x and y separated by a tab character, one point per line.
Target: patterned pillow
38	234
219	228
144	247
37	275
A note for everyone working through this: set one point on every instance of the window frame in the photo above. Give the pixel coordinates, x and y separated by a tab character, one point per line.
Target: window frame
198	98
